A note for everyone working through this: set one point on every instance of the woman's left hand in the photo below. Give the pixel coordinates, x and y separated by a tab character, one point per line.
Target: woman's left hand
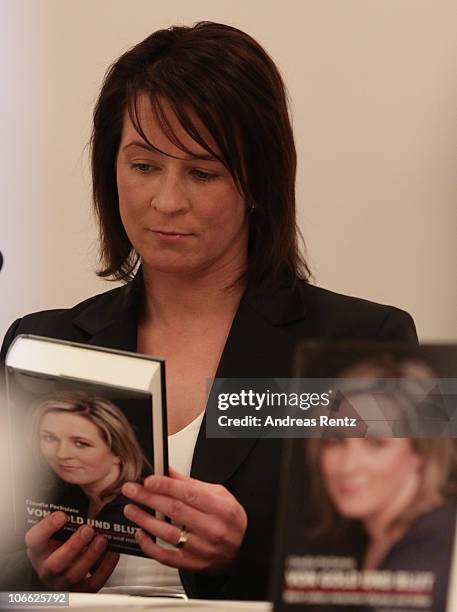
214	521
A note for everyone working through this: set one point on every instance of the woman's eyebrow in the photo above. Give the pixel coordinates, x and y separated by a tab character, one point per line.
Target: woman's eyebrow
151	149
138	143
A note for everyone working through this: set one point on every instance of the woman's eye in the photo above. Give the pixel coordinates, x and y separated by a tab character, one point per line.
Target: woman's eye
47	438
376	442
203	176
142	167
80	444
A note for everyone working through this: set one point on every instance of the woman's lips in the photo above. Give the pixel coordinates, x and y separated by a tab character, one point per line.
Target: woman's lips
352	488
169	235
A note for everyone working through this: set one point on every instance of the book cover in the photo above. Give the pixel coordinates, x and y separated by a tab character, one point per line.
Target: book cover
82	423
368	520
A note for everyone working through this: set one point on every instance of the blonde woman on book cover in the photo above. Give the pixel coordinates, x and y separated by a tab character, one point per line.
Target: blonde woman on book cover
193	167
400	490
89	444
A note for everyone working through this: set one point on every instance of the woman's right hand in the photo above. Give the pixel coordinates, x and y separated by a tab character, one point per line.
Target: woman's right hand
66	566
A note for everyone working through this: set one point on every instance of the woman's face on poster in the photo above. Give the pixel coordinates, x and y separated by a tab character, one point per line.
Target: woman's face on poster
75	450
366	477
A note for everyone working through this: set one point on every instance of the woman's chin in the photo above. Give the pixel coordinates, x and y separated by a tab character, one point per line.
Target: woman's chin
70	478
354	510
169	265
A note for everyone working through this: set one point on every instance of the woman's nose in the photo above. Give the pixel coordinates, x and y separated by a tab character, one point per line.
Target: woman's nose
169	195
350	458
64	451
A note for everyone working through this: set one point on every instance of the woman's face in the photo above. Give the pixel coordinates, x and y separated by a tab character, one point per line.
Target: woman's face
183	215
369	477
74	449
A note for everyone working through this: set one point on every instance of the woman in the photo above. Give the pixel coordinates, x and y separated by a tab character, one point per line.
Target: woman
398	489
88	442
193	165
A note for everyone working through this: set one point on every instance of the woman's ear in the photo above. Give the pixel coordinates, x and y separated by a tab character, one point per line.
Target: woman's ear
116	460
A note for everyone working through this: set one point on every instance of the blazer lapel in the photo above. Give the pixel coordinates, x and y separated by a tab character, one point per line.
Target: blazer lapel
258	346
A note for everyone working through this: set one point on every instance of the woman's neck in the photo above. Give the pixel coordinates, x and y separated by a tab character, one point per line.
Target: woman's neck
174	301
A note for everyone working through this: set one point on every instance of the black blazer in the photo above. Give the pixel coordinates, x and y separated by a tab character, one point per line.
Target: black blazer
260	345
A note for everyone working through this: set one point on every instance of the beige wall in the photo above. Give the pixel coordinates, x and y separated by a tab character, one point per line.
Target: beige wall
374	91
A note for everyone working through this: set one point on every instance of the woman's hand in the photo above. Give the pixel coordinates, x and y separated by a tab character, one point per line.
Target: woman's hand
66	566
215	522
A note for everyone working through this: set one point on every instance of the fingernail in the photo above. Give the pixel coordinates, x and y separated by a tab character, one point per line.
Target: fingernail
87	533
59	519
100	543
130	511
130	488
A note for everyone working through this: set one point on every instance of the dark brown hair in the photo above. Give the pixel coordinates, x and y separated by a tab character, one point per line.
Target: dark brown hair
221	77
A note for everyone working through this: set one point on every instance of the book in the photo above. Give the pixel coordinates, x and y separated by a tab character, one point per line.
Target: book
83	420
367	520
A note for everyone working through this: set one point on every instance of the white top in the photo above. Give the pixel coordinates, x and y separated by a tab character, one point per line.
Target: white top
138	573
